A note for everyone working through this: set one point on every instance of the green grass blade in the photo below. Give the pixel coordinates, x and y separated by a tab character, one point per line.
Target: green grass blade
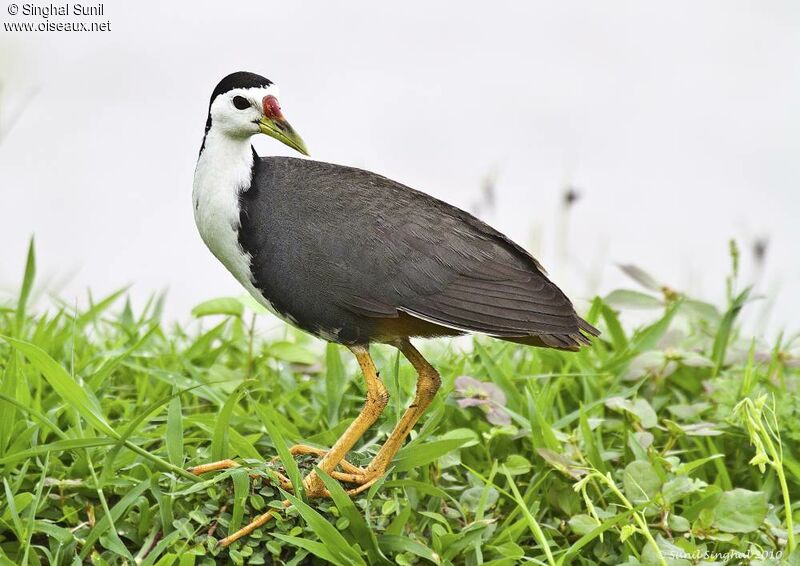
116	512
362	533
57	446
63	383
279	441
416	456
326	532
241	488
725	330
97	379
392	544
220	440
31	525
623	517
316	548
27	285
533	524
335	382
93	313
174	438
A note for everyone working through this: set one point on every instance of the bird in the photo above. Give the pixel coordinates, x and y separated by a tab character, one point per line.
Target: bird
355	258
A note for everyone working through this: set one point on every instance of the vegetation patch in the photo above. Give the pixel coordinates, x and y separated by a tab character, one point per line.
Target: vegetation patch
674	443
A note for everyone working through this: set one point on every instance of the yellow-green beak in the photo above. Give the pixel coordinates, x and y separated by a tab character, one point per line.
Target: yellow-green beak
280	129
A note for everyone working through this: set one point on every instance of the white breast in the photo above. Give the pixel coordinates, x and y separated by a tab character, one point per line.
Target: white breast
223	172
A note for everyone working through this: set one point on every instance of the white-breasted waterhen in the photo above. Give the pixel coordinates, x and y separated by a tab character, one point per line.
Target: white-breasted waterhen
356	258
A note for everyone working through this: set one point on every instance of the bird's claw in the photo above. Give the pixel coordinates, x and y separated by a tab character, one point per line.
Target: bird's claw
349	474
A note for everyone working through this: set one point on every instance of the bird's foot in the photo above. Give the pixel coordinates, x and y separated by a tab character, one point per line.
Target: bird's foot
304	450
314	487
228	464
347	474
312	484
213	467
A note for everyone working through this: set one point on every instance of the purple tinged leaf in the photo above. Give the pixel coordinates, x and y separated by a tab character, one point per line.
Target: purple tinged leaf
488	396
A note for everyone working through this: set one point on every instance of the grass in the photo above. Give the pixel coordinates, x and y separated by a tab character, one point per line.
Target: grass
666	444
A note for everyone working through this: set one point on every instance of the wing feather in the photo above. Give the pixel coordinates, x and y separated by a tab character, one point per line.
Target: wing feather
377	248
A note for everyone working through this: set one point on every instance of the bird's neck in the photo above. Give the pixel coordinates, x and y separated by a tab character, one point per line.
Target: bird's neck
225	164
224	170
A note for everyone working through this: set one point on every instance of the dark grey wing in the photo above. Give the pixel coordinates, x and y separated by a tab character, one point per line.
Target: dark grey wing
470	277
389	249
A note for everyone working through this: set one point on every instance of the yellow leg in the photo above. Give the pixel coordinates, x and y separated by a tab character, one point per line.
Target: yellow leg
428	383
377	398
304	449
213	467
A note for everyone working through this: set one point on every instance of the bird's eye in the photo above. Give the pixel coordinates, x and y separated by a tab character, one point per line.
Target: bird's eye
241	102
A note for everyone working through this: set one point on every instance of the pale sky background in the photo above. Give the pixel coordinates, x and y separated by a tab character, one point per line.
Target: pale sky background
678	122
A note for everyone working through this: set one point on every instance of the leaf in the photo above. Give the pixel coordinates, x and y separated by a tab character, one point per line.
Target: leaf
421	487
726	328
293	353
703	310
582	524
517	465
362	534
678	523
241	489
221	439
316	548
648	337
175	432
641	277
454	543
57	446
592	450
15	505
688	411
533	524
641	482
96	309
415	456
561	463
689	467
394	544
472	497
63	384
224	305
499	375
96	380
27	285
679	487
740	511
278	440
644	412
543	434
639	408
694	429
626	298
116	512
335	382
593	534
327	533
615	330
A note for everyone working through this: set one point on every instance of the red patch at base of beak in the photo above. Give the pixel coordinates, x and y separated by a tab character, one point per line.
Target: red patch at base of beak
272	109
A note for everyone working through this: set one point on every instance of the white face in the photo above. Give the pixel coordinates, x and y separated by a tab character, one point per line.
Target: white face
236	113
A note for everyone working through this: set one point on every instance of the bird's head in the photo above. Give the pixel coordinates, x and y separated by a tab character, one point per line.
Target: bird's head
245	104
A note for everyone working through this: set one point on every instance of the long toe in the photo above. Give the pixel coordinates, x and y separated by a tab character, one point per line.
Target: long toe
213	467
305	450
358	478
